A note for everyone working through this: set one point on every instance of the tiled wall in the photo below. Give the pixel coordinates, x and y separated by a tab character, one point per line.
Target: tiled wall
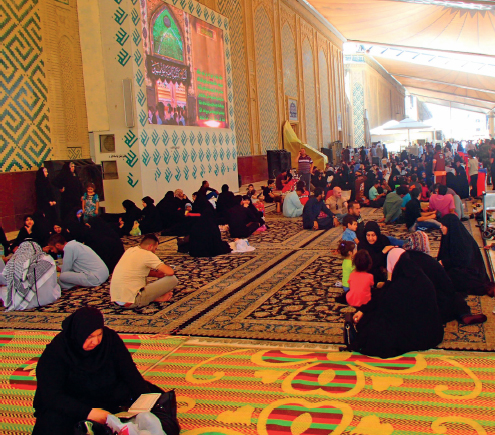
309	94
24	101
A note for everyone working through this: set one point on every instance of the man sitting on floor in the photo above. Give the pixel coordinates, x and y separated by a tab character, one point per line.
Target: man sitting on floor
292	203
392	207
128	286
337	204
312	210
81	265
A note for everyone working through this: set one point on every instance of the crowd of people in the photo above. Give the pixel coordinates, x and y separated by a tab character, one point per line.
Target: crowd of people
402	295
419	193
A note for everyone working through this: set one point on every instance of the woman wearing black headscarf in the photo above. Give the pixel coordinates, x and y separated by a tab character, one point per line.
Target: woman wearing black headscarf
460	255
102	239
132	214
205	239
403	317
169	211
45	199
71	188
225	200
150	217
462	182
86	372
33	229
451	304
374	243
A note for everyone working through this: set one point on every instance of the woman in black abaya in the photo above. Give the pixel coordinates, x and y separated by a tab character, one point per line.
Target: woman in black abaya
403	317
460	255
205	239
45	198
102	239
150	217
86	372
462	182
374	243
132	214
170	211
70	187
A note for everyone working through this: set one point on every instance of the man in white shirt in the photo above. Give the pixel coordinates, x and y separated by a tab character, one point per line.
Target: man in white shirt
128	287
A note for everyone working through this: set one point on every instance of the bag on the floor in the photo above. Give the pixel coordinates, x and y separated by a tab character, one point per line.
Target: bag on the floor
350	332
166	410
89	427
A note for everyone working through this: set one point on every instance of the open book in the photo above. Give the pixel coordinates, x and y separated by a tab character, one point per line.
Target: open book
144	403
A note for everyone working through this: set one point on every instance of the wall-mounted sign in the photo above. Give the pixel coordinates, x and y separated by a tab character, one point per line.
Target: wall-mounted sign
339	121
292	110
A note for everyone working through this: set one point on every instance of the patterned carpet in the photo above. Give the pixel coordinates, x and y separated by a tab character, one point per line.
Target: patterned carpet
19	353
284	290
234	390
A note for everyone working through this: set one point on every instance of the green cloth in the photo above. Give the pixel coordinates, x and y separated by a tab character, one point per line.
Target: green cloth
392	208
347	268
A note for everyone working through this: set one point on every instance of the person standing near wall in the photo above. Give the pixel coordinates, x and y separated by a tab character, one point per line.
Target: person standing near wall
305	168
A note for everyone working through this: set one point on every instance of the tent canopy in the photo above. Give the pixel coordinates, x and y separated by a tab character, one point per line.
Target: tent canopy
421	30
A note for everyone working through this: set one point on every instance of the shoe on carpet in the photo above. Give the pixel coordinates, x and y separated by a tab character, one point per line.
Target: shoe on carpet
338	284
464	219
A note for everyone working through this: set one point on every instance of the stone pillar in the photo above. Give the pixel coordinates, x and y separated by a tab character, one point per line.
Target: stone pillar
491	123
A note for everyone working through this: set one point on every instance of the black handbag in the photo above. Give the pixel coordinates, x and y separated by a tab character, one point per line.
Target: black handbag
350	332
166	409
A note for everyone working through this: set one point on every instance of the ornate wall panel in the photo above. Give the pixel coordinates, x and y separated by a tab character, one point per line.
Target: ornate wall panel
232	9
309	94
265	73
289	62
324	99
358	114
24	129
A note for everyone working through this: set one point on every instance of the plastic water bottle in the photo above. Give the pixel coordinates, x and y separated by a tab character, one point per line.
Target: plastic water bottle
2	250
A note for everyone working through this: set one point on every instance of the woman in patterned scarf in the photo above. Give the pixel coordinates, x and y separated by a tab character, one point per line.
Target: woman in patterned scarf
31	278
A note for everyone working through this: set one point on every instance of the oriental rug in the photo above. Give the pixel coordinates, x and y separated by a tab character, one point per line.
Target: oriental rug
20	352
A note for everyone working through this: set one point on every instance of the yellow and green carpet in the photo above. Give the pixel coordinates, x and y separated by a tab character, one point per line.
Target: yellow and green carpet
234	389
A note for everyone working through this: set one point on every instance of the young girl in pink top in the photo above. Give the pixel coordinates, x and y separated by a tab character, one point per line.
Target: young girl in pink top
360	281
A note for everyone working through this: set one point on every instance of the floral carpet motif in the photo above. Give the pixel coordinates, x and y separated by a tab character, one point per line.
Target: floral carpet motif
243	390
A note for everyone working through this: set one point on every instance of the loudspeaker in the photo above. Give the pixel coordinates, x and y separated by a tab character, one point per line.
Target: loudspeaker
285	160
128	103
273	160
329	153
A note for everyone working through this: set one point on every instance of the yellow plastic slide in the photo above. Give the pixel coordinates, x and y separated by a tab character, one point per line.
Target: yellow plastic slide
293	144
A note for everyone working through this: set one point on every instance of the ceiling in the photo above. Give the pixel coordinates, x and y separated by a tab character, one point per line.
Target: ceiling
441	51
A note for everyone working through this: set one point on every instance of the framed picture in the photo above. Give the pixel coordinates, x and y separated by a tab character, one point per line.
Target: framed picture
292	110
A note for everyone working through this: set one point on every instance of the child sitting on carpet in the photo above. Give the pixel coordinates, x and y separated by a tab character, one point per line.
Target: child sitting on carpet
360	281
347	250
350	224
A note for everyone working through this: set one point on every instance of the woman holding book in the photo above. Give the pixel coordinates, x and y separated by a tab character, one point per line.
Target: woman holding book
85	373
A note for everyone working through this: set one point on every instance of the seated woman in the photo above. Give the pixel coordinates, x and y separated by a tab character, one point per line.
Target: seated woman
460	255
107	244
374	243
86	372
31	278
241	219
31	230
403	316
224	201
131	215
205	239
150	221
